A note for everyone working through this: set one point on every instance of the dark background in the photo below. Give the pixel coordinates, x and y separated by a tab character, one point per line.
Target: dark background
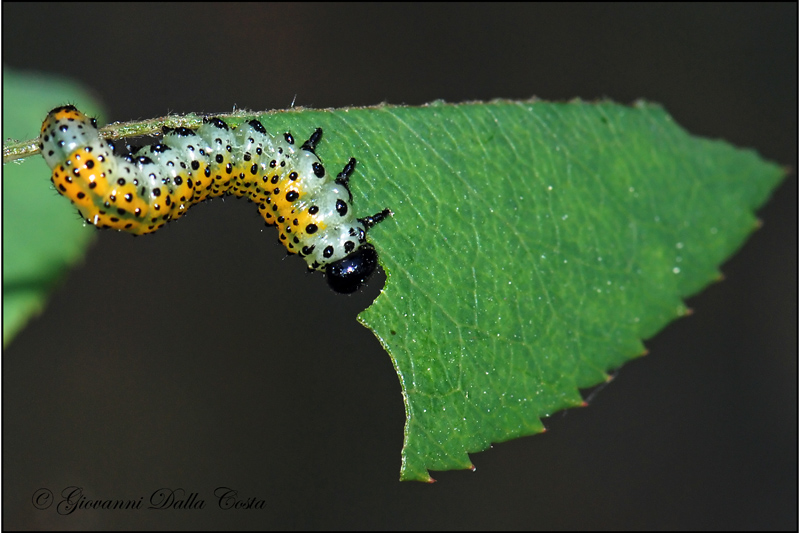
172	360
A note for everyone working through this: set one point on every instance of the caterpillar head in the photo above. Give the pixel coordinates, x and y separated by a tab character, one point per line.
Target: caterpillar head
346	275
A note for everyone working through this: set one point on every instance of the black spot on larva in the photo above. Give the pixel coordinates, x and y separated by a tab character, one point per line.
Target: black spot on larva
275	179
327	253
81	196
341	207
273	164
90	164
254	169
121	181
288	137
313	210
156	192
92	185
129	197
293	176
219	159
291	196
179	181
281	219
319	170
311	229
349	246
258	126
216	122
247	156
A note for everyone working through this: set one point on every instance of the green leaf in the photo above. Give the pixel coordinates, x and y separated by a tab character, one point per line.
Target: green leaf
533	246
42	235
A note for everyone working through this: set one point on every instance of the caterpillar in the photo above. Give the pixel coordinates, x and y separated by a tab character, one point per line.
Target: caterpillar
141	192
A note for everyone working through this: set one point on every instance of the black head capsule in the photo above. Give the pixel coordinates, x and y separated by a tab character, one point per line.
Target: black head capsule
348	274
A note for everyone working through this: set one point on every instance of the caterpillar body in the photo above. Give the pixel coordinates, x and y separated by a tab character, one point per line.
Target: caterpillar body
141	192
